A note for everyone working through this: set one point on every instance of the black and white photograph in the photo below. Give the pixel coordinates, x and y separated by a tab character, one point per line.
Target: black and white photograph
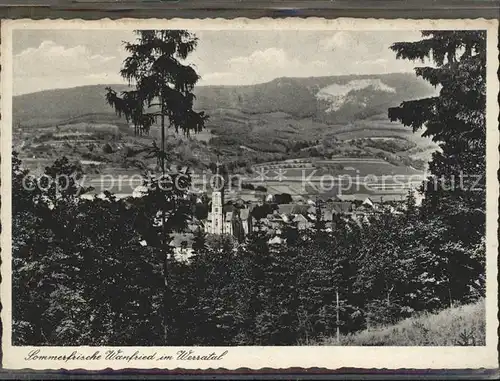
231	188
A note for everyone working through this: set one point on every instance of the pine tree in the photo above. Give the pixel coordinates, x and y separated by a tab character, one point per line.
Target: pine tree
454	199
163	90
455	119
410	207
319	222
199	242
163	84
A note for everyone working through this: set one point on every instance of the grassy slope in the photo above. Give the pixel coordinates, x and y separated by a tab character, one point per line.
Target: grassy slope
464	325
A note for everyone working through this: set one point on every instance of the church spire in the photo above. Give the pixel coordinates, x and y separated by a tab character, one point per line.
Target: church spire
217	226
219	179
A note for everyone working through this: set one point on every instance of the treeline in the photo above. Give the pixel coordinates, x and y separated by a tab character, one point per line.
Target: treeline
92	272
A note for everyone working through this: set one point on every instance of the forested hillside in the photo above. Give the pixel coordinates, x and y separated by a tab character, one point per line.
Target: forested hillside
295	96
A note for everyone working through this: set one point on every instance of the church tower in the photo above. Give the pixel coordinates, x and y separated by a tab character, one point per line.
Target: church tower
217	225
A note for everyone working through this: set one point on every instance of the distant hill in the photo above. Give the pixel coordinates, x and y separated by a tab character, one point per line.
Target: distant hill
52	106
332	100
282	119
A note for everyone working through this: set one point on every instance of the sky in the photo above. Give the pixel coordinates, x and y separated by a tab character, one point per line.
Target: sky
48	59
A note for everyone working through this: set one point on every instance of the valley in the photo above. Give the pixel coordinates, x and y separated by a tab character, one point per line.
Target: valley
291	127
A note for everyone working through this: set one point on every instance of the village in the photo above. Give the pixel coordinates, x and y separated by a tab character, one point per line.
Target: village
237	215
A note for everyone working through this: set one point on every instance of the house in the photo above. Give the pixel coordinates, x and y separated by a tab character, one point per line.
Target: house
302	222
274	221
229	222
286	208
300	209
368	203
270	198
246	220
341	207
328	216
276	240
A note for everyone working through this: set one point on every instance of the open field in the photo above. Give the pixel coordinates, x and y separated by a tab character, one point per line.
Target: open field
458	326
351	166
